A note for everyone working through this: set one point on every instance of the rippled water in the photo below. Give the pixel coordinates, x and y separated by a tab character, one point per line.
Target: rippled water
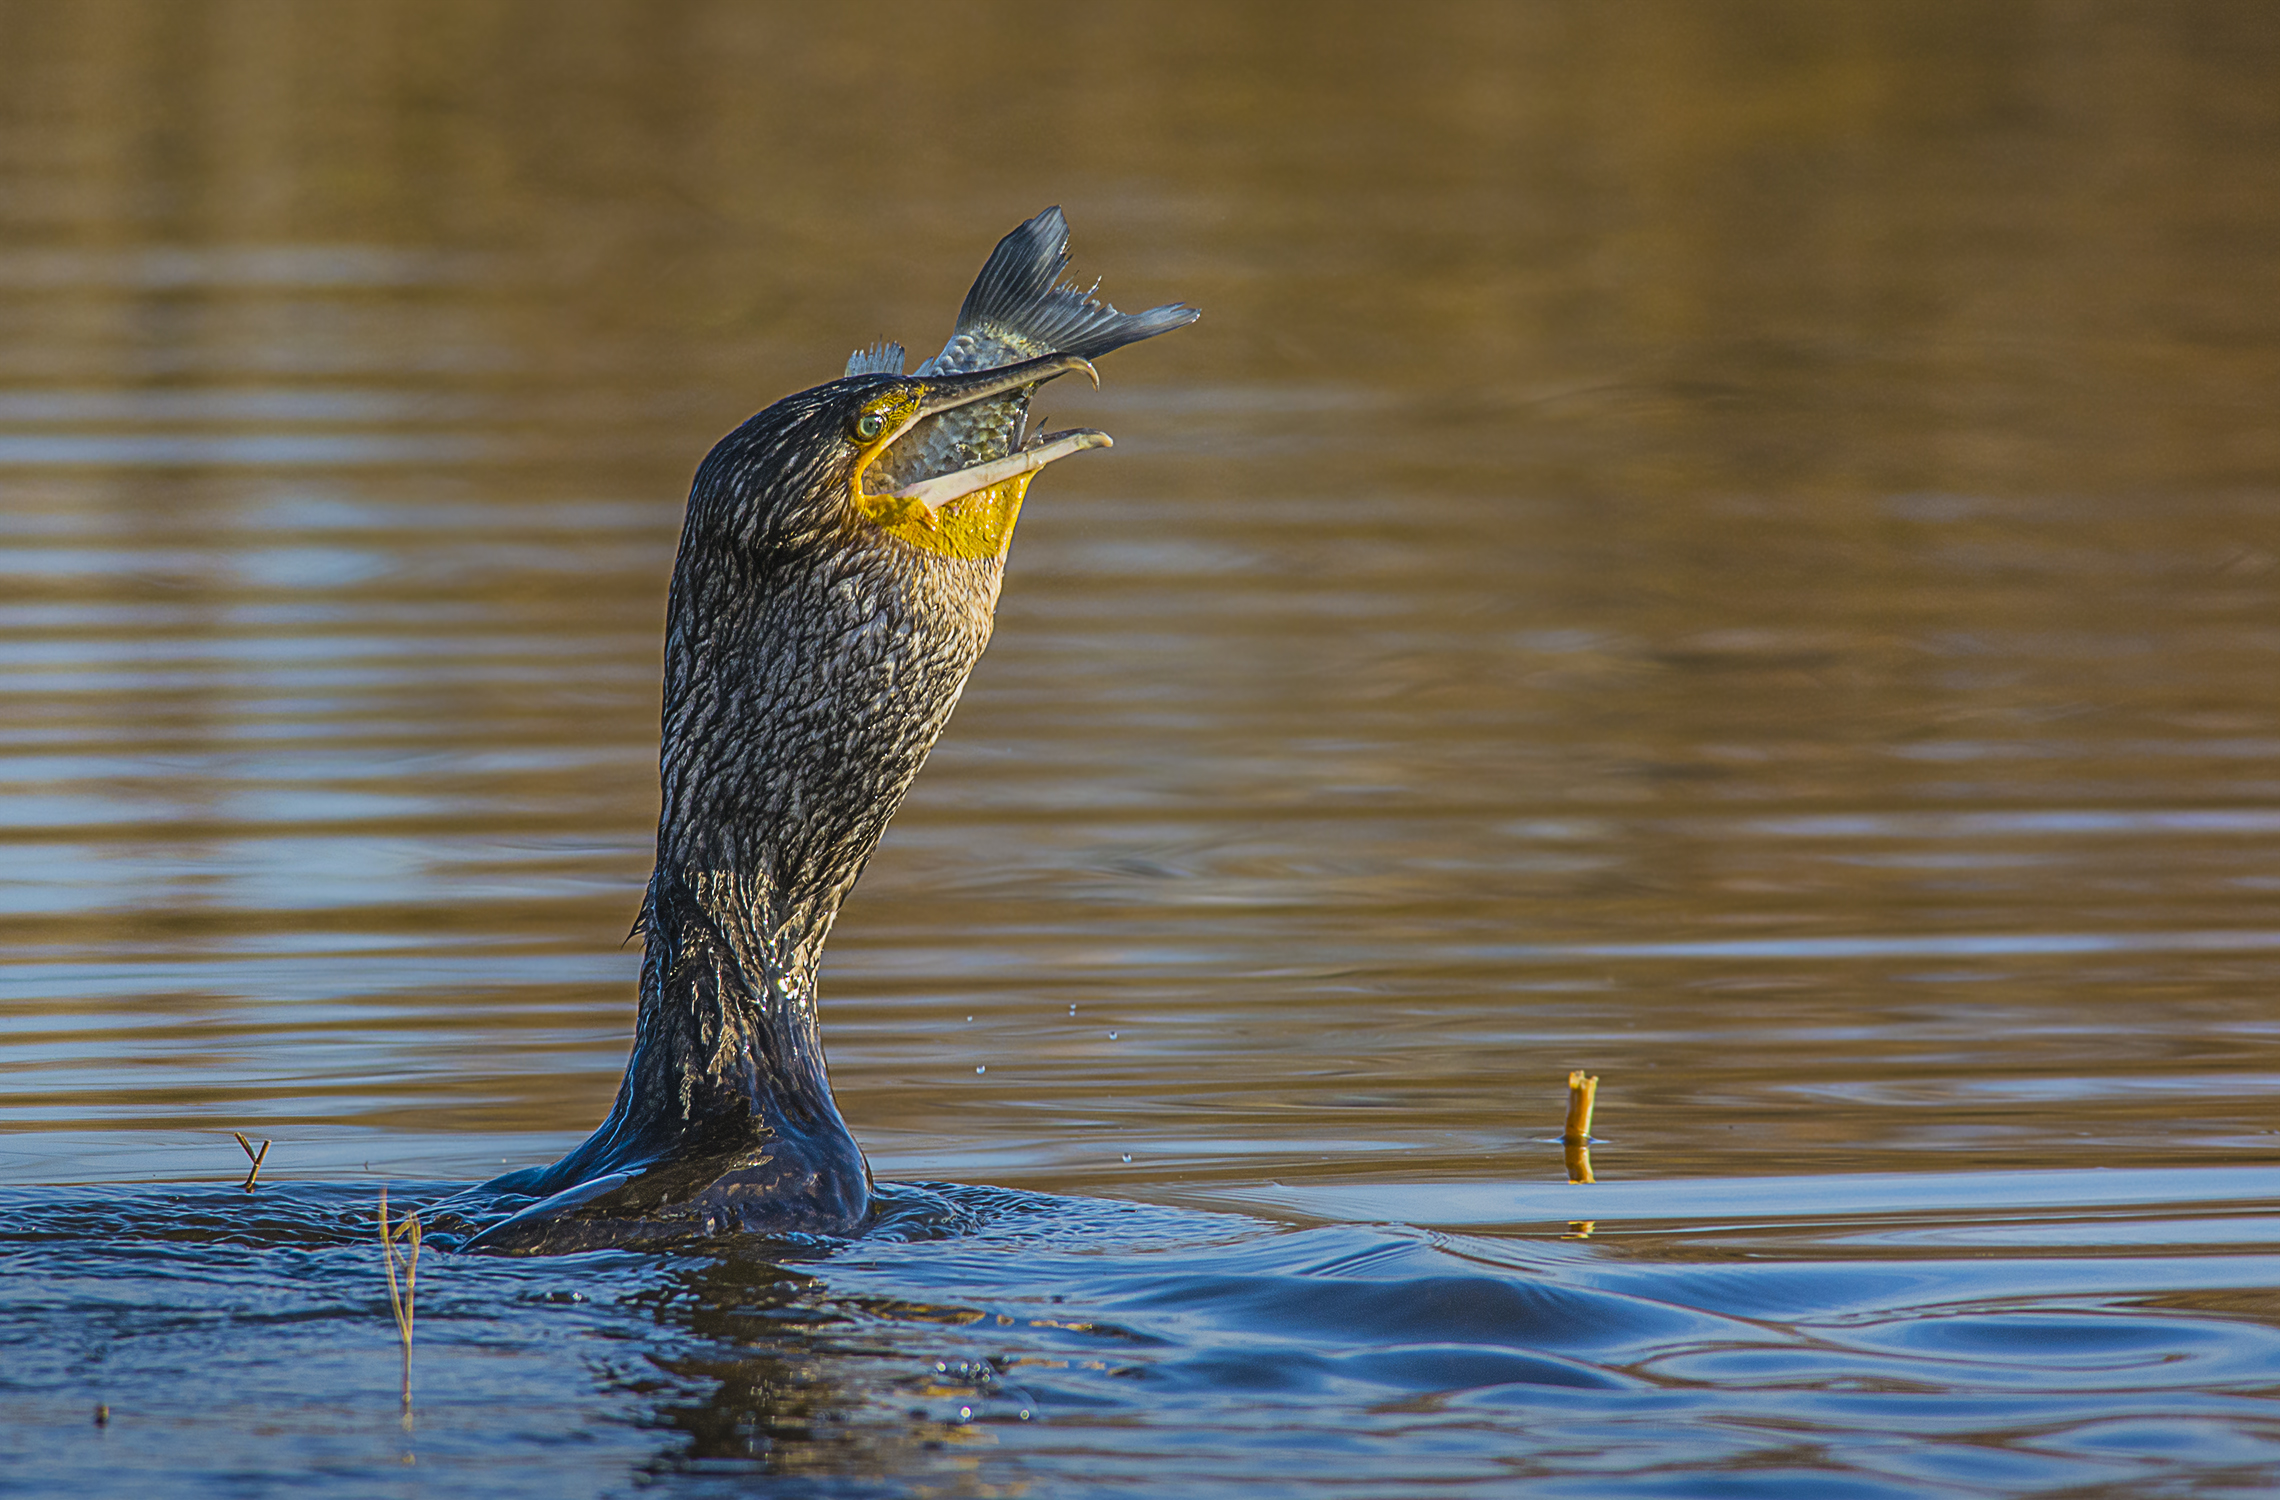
1734	547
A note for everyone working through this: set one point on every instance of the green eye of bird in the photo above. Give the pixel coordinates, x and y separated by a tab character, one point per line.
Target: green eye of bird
870	425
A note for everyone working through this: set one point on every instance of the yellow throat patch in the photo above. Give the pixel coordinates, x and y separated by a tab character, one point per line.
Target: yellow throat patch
979	525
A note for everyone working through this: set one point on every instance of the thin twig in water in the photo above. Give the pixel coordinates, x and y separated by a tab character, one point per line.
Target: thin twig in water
392	1254
255	1156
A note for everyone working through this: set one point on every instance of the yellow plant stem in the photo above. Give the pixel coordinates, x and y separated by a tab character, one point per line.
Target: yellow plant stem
392	1253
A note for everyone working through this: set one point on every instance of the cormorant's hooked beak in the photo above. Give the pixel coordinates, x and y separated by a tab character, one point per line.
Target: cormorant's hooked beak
949	392
943	393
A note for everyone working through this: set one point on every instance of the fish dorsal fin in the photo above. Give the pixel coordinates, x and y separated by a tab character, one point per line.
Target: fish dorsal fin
1016	294
881	358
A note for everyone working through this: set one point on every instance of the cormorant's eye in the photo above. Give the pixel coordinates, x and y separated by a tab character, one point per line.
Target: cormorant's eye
869	425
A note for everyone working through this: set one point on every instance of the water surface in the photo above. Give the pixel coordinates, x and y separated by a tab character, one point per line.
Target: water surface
1733	547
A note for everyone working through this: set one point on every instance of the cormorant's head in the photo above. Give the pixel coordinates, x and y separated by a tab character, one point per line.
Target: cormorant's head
835	584
813	467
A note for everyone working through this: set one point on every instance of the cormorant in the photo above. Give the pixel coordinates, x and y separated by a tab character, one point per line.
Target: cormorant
835	582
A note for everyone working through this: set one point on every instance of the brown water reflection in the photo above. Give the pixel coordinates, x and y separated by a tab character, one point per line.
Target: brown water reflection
1732	546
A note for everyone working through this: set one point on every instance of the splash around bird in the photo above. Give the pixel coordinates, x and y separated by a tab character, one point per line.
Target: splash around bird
836	580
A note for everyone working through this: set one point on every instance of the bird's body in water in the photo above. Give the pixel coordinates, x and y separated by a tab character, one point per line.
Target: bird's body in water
835	584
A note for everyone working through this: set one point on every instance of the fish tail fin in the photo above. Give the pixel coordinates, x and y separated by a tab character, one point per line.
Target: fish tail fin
1017	292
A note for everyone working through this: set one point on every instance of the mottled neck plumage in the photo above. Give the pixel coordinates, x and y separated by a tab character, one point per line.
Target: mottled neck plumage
802	693
726	1038
796	717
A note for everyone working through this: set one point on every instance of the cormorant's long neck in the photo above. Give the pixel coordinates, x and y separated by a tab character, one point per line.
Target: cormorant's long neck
727	1040
796	717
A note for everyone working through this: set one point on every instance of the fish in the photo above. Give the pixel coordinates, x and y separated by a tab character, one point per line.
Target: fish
1019	309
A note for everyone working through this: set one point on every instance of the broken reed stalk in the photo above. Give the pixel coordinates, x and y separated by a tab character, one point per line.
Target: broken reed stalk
255	1156
392	1253
1583	1091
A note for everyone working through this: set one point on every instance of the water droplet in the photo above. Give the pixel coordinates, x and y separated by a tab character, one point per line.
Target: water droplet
965	1414
1128	1156
969	1018
1112	1036
1072	1010
981	1070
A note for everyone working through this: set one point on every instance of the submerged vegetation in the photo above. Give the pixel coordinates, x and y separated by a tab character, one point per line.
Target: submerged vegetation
400	1251
256	1157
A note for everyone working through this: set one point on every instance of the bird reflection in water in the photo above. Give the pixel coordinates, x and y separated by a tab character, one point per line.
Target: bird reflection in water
774	1377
